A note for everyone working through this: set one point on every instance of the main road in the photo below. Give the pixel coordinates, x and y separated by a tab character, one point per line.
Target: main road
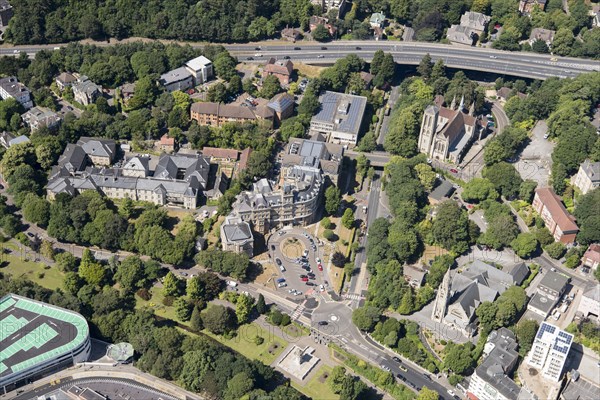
521	64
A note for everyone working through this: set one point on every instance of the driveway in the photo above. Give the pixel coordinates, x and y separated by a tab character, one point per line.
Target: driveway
535	161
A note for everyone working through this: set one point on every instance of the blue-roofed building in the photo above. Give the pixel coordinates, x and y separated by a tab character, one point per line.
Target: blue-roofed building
339	118
549	351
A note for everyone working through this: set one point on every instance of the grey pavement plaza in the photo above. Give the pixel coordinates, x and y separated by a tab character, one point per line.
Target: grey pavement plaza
535	161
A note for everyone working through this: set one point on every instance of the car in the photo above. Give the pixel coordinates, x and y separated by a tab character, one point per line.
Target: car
297	48
554	59
358	48
320	267
282	268
323	48
310	284
292	291
69	108
272	247
385	367
546	136
493	57
397	359
426	376
553	269
305	253
298	293
257	48
318	260
411	385
282	284
429	161
1	187
312	277
250	58
280	280
31	235
320	56
278	261
305	279
322	323
451	392
286	57
321	288
258	55
453	170
303	276
400	377
403	368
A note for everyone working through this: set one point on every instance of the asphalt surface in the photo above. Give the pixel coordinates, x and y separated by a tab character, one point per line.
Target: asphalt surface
385	124
522	64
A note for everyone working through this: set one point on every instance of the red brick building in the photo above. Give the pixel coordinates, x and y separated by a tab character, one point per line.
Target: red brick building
557	219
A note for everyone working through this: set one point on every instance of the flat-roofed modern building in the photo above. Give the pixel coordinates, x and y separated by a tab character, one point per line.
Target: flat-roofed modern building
201	69
550	350
339	118
177	79
37	339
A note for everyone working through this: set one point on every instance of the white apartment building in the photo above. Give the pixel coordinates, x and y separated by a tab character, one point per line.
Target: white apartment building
201	69
549	351
11	88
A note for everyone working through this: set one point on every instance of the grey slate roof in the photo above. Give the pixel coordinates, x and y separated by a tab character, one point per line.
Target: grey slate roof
186	166
73	158
580	390
443	190
592	170
554	281
98	147
176	75
239	232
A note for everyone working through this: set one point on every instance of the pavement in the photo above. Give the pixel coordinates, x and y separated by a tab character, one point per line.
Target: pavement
535	161
385	124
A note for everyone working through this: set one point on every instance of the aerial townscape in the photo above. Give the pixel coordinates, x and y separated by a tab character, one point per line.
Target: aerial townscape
300	199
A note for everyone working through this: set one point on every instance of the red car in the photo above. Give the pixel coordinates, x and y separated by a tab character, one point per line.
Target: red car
304	279
320	267
454	171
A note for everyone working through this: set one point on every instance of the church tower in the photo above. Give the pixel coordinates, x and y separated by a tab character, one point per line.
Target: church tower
428	126
441	300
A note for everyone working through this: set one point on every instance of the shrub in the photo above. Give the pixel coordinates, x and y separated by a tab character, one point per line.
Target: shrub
276	317
258	340
144	294
41	275
454	379
285	320
326	223
168	301
329	235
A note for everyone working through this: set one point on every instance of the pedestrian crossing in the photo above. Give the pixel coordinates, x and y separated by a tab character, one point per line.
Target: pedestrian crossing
298	311
352	296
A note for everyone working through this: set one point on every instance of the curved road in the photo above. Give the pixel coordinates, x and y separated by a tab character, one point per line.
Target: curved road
522	64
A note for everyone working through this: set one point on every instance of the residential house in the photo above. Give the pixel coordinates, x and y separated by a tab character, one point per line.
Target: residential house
283	106
136	167
315	21
325	156
441	193
446	133
461	35
477	22
492	378
471	28
595	14
291	34
549	291
219	155
7	139
282	69
127	92
329	4
6	12
165	143
549	351
588	176
591	258
216	114
504	93
590	303
545	35
339	118
85	91
201	69
11	88
557	219
526	6
65	80
41	116
236	236
377	20
177	79
458	298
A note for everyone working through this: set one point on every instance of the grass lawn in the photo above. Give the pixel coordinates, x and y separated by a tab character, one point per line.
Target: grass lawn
317	387
244	344
12	264
295	330
156	303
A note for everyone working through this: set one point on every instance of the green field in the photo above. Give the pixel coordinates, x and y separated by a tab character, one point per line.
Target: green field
156	304
38	272
244	344
317	389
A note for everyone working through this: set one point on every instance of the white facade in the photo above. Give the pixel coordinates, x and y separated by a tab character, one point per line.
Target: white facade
10	88
590	302
483	390
549	351
201	69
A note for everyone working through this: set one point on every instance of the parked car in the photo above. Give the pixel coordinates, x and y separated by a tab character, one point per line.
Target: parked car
310	284
297	48
282	284
322	323
403	368
280	280
320	267
397	359
305	279
453	170
385	367
278	261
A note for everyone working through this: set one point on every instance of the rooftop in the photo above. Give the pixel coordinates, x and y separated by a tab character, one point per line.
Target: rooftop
592	170
554	281
198	63
559	213
558	339
580	390
12	86
443	190
344	111
176	75
32	332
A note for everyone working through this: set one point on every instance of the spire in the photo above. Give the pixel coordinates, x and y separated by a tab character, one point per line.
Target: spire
462	103
472	109
441	301
453	104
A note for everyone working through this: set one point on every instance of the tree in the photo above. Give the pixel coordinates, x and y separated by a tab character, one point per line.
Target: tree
505	178
425	67
196	320
17	155
66	262
438	269
376	62
348	218
479	189
407	304
486	312
526	331
320	33
338	259
90	270
329	235
240	384
366	317
218	319
291	128
270	87
130	273
326	223
527	189
182	308
525	244
540	46
502	230
556	250
427	394
243	308
336	378
458	358
36	210
451	227
426	175
333	200
261	307
171	285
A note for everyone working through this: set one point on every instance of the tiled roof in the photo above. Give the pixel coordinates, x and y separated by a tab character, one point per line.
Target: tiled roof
557	210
